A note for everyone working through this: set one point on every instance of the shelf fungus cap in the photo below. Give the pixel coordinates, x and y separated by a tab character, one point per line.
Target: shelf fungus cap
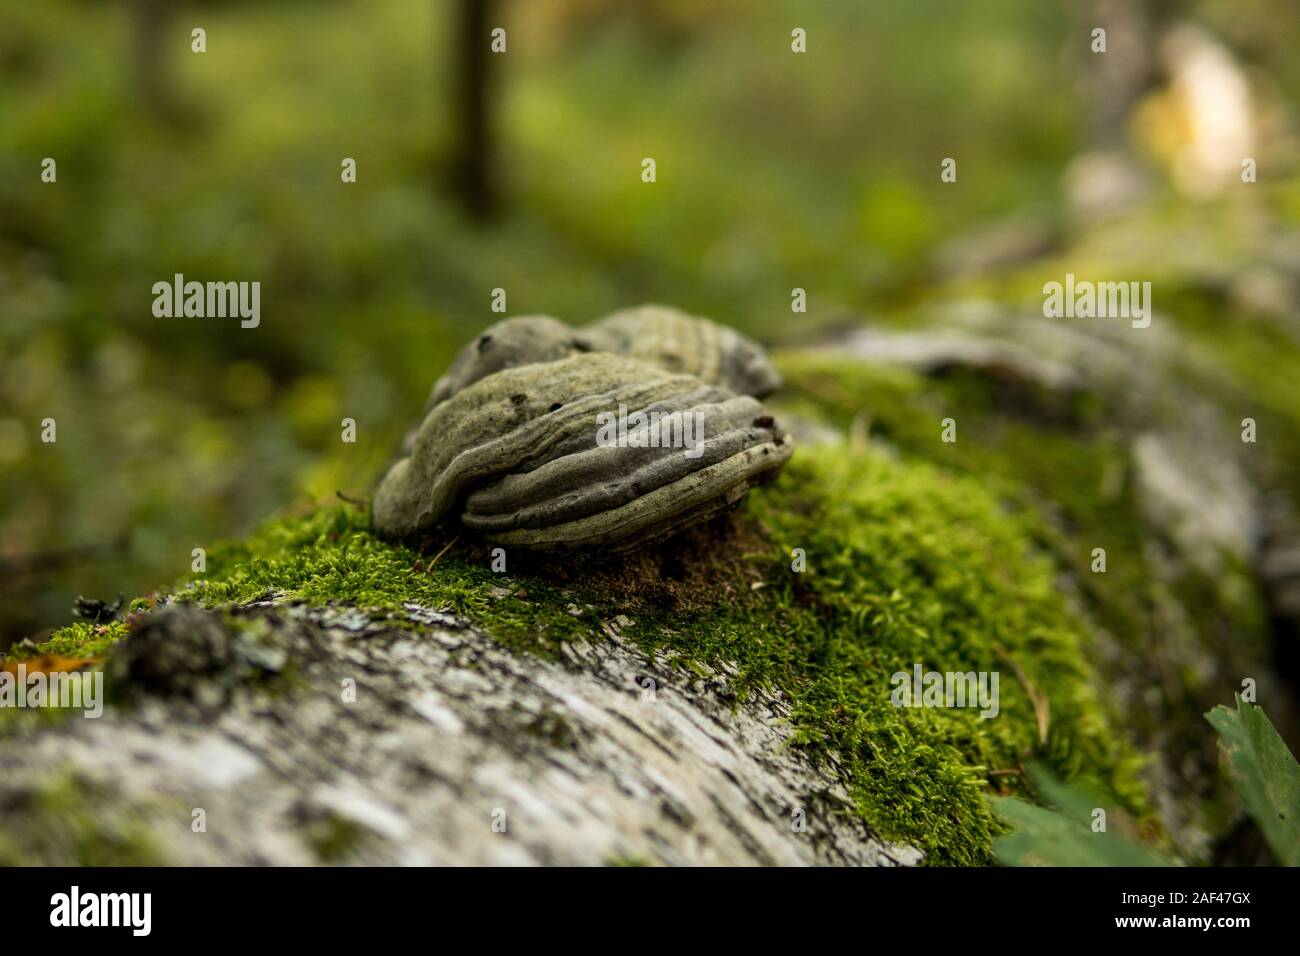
678	342
590	451
658	334
522	340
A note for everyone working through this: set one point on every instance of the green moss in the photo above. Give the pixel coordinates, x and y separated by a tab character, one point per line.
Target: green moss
908	565
331	556
65	823
551	727
333	838
80	639
1042	453
1068	473
15	722
1054	457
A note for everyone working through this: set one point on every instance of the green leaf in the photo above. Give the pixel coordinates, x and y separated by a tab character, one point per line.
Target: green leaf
1064	836
1264	774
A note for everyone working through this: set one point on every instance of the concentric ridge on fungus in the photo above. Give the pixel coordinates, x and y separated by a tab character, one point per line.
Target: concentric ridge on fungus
659	334
679	342
514	456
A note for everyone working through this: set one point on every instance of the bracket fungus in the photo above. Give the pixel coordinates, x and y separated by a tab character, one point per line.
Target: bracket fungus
544	440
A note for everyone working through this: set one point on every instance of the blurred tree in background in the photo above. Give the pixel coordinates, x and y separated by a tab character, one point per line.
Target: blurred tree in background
475	161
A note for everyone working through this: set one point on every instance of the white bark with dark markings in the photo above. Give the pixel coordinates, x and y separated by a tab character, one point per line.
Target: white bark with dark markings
448	730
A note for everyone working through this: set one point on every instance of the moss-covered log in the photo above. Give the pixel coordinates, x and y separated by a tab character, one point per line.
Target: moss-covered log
326	695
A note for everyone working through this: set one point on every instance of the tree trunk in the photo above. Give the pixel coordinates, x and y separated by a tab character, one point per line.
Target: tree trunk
474	167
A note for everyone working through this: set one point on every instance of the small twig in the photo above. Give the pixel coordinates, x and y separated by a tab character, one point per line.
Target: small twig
359	502
1042	707
445	549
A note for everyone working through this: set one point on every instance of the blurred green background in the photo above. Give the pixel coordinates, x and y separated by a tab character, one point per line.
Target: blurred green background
775	171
